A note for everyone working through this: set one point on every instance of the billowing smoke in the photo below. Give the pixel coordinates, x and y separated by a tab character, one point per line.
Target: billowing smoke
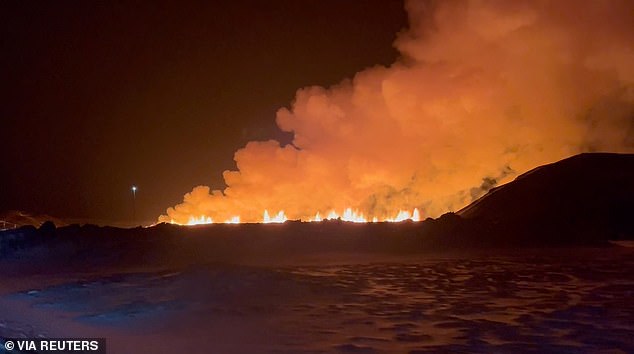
483	91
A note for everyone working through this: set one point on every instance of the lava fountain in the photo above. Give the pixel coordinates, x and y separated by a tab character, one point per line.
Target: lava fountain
348	215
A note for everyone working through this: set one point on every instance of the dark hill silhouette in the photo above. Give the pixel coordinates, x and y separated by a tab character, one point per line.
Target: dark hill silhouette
585	197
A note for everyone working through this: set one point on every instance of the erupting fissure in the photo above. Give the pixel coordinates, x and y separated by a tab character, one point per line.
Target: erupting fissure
348	215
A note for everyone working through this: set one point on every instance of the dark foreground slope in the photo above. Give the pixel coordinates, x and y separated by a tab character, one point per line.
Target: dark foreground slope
584	200
587	197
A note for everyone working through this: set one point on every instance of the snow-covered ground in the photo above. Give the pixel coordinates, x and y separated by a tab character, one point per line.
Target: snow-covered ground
558	301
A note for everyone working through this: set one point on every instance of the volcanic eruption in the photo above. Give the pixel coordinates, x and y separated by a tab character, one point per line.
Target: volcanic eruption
482	91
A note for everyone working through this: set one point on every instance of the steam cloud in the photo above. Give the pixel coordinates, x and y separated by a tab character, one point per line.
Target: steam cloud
483	91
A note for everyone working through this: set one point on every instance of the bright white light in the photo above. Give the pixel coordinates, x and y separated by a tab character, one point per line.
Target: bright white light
134	188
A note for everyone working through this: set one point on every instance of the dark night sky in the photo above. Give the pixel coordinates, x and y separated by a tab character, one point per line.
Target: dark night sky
98	96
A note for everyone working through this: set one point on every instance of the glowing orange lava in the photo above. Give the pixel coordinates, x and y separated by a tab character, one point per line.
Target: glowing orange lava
279	218
347	215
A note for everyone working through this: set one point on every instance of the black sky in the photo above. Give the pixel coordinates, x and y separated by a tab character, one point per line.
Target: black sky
98	96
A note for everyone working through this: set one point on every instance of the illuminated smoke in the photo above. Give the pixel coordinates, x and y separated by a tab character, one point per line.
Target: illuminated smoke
483	91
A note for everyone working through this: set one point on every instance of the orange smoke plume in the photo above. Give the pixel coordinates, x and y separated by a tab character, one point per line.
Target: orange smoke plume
483	91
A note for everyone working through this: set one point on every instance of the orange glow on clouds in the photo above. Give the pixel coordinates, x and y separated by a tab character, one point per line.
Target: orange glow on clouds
483	91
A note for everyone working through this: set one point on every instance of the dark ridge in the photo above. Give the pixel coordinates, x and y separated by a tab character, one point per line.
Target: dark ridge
588	196
584	200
